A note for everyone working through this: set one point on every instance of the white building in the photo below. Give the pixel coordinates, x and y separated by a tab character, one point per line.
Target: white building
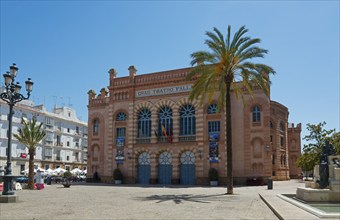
65	144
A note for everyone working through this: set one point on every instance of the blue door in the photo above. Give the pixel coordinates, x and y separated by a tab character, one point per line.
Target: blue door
144	169
187	169
164	168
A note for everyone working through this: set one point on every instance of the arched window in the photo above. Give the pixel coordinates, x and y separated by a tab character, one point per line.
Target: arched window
121	116
256	114
271	125
187	120
165	121
212	109
95	126
282	127
144	123
284	160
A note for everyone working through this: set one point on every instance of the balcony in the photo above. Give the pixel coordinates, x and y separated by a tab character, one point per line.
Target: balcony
48	143
144	140
162	140
79	134
187	138
49	127
48	157
59	144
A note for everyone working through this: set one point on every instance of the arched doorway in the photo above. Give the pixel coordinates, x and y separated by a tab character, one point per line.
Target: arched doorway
164	168
187	168
143	170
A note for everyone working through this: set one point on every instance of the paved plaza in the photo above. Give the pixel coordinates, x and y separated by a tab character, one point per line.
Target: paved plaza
104	201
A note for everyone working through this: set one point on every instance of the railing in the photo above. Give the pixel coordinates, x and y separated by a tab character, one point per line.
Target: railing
144	140
48	157
188	138
162	139
49	127
48	143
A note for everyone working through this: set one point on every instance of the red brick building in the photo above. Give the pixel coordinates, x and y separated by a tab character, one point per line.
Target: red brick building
146	125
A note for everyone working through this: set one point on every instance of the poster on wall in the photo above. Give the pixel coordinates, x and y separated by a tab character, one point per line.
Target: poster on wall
213	146
213	152
120	150
120	141
214	136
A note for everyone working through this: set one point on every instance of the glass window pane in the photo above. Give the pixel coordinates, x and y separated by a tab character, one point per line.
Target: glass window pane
165	121
214	126
144	123
212	109
121	116
187	120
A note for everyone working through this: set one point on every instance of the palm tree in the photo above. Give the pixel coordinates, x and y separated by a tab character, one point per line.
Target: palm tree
30	135
225	68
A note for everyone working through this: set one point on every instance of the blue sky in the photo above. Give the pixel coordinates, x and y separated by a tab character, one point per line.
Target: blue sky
67	47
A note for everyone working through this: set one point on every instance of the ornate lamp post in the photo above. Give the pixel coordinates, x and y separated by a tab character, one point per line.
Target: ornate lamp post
11	95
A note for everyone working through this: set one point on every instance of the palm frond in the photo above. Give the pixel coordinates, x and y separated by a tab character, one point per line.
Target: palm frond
237	36
30	134
230	60
246	44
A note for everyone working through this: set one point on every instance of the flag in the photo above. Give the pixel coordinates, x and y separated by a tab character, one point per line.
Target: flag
170	136
164	131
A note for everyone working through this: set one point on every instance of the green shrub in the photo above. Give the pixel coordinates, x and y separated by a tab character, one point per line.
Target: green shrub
67	174
213	174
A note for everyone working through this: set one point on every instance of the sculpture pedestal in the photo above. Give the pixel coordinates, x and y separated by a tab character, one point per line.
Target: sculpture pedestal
8	198
312	192
317	195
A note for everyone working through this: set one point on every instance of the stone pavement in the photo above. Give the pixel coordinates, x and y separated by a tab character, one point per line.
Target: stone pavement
104	201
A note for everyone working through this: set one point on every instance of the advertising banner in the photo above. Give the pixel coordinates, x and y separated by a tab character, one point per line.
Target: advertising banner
213	146
120	141
214	136
120	150
213	152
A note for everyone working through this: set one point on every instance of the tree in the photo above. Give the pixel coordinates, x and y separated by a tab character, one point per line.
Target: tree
335	141
225	68
30	135
312	151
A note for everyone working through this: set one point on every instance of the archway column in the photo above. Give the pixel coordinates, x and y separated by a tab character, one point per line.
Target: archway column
154	170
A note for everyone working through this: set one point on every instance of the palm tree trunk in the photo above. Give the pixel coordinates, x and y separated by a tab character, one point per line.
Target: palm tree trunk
31	169
229	143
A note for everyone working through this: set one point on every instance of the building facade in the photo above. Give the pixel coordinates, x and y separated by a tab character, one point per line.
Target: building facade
65	144
146	126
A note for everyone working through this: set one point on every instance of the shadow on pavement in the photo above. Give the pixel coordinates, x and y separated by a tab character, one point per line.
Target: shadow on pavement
178	199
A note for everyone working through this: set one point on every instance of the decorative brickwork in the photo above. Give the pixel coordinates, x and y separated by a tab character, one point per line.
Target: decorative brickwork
265	147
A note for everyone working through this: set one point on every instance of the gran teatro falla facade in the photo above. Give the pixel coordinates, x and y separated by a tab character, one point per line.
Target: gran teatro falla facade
147	127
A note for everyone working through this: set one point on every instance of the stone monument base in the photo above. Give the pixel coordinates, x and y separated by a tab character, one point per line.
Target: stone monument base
8	198
317	195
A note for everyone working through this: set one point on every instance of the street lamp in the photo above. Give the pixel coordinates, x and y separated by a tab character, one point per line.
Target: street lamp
11	96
